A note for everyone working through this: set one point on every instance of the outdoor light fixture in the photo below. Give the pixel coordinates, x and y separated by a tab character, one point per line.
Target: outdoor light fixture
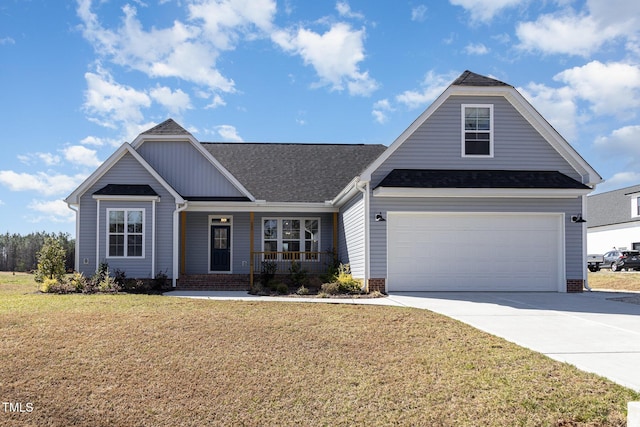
578	219
379	217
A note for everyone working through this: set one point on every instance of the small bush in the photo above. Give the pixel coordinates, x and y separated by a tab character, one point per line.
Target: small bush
297	274
282	289
332	288
302	291
48	285
51	259
78	282
268	272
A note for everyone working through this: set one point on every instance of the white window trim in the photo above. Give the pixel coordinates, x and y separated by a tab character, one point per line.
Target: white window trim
463	131
302	239
144	233
635	202
230	224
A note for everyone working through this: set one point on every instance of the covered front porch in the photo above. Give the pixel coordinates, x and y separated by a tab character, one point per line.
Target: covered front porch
229	250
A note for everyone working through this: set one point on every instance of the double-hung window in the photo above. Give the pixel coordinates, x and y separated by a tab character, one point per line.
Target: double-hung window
291	238
477	130
125	233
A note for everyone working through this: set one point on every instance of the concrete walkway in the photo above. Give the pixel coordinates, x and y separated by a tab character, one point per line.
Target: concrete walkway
596	331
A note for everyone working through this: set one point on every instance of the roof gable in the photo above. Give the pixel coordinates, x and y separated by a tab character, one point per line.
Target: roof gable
168	127
612	207
125	148
472	86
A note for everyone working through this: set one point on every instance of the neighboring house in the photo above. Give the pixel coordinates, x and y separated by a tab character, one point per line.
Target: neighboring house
613	220
479	193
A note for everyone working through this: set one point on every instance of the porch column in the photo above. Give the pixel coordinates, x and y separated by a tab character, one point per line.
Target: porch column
335	233
251	248
183	242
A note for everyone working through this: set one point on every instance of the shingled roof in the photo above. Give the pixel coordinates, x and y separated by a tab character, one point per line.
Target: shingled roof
294	172
168	127
437	178
469	78
612	207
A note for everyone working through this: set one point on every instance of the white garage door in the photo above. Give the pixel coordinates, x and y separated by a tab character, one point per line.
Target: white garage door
474	252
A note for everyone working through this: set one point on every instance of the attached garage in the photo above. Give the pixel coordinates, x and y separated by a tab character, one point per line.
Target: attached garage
480	251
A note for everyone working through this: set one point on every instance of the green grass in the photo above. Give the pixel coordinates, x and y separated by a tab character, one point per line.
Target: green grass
128	360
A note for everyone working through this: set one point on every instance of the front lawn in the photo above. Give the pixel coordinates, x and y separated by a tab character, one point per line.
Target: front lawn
126	360
615	280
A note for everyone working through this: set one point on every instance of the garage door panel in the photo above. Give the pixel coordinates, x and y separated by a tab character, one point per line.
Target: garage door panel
439	252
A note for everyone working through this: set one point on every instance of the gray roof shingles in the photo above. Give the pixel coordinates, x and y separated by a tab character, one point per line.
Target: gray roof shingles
126	190
437	178
168	127
278	172
612	207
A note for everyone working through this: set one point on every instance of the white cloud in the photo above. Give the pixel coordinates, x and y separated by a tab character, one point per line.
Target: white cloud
623	140
581	32
476	49
7	40
44	183
216	102
380	110
344	9
81	156
228	133
51	210
419	13
174	101
612	88
113	102
431	87
485	10
334	55
48	159
99	142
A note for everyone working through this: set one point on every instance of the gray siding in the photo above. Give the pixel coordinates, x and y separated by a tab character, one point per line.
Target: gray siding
437	143
351	235
126	171
197	237
573	232
186	169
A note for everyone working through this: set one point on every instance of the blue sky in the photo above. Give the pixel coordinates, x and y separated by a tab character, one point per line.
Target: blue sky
77	78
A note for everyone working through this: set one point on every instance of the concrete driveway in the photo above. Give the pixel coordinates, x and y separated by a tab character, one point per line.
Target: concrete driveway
595	331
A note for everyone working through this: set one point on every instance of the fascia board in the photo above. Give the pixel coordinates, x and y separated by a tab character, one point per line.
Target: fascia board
126	198
141	139
109	163
293	207
533	193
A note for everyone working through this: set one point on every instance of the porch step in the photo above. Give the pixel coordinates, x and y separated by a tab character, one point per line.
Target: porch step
213	282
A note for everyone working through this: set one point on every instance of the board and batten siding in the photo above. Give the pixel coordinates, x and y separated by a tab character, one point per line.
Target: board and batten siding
127	170
436	144
186	169
351	235
573	232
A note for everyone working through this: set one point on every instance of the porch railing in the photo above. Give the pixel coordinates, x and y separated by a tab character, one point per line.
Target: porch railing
280	262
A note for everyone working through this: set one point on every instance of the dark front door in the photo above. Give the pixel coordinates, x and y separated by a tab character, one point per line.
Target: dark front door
220	248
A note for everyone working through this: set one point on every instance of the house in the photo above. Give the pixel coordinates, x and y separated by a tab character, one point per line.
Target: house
479	193
613	220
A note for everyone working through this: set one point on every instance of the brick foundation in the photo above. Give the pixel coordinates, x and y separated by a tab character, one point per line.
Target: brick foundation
377	285
214	282
575	285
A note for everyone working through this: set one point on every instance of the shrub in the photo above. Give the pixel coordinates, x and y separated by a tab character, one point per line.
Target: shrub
302	291
78	282
282	289
268	272
48	284
51	259
161	281
347	283
297	274
331	288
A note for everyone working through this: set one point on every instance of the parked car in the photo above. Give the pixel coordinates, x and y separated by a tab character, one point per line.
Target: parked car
621	259
594	262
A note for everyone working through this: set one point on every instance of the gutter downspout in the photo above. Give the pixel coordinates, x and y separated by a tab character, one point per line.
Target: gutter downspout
584	245
363	187
176	237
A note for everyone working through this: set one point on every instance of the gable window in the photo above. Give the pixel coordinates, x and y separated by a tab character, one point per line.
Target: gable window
477	130
291	238
125	233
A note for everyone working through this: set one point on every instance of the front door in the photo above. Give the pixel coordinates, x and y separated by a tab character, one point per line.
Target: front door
220	248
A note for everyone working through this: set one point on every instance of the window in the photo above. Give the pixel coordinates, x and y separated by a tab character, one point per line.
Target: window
125	234
477	130
291	238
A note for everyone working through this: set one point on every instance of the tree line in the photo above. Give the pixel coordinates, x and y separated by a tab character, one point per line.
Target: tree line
20	253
